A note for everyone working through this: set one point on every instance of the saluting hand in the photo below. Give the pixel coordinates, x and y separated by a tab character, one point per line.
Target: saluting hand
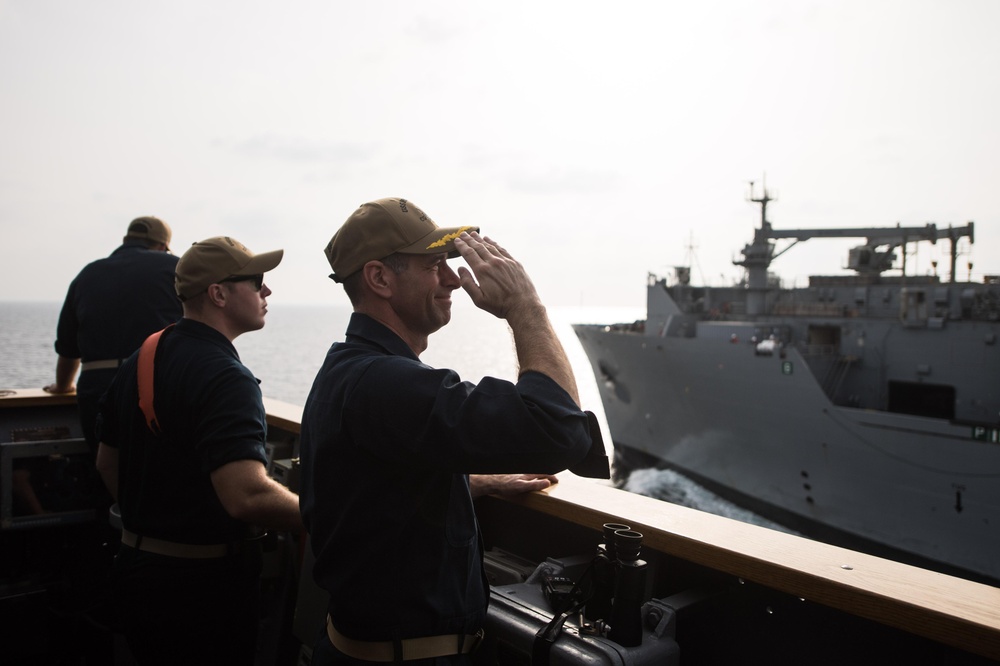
505	290
503	285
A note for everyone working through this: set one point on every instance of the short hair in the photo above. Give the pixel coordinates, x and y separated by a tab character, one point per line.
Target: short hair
396	262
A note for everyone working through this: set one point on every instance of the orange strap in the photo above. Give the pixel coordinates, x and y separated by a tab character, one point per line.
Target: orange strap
144	377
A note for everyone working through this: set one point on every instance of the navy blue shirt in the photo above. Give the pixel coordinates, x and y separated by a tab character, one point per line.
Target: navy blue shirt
110	308
209	407
387	443
115	302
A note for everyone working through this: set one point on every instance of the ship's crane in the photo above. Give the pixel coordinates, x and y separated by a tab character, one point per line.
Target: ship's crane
874	257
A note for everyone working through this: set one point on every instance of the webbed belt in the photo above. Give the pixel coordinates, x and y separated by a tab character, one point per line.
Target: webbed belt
109	364
192	551
406	649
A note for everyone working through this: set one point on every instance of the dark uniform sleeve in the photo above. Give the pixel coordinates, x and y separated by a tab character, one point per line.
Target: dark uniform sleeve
67	344
230	423
408	413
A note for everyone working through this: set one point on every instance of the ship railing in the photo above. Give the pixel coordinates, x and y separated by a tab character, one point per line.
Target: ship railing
931	606
638	326
809	309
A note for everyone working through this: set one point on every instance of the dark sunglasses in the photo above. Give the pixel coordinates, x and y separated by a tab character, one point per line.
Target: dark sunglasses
258	280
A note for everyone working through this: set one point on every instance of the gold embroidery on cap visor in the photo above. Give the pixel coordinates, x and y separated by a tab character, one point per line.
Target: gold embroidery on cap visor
444	240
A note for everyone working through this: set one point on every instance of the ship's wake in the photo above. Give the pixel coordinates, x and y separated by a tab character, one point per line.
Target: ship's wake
670	486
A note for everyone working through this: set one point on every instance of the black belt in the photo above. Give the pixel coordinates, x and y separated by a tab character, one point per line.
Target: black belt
426	647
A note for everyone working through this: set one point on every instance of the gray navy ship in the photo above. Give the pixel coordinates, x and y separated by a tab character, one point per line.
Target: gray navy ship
861	410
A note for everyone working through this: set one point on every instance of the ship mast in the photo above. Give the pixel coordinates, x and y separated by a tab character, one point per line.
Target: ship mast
757	255
873	258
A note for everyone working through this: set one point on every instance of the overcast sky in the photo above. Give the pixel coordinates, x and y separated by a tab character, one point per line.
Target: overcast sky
597	141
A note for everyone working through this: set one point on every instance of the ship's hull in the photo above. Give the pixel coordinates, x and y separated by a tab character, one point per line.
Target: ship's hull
760	430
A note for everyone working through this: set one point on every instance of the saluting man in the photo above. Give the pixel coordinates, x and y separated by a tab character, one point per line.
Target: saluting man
390	446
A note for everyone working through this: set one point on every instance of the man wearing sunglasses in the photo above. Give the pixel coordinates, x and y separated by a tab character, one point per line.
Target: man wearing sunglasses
188	471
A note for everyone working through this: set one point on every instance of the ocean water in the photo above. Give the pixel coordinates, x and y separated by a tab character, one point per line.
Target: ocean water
286	354
27	335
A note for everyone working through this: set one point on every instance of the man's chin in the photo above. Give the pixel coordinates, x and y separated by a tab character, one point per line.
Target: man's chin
444	318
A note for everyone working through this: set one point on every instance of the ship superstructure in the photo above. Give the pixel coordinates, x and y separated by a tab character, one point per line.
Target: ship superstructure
862	409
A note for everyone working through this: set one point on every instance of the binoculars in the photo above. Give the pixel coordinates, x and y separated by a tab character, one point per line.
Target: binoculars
619	585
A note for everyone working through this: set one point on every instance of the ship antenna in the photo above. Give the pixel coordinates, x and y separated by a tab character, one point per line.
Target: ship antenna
691	258
762	200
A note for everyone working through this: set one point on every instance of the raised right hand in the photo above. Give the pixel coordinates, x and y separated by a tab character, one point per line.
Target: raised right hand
497	282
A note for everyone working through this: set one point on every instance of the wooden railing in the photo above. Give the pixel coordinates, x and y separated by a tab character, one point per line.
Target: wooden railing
950	610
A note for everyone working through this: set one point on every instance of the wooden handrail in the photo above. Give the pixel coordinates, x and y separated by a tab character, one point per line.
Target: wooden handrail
280	414
10	398
283	415
951	610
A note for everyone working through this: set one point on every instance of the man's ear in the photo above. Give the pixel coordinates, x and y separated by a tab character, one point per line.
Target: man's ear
216	295
378	278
